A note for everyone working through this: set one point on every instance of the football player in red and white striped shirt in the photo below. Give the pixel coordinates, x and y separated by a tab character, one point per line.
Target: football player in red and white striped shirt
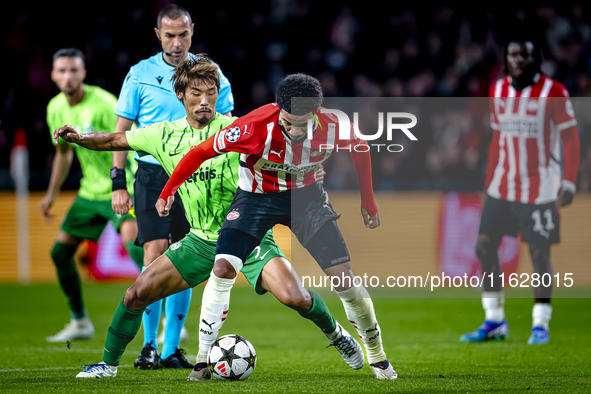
530	115
277	186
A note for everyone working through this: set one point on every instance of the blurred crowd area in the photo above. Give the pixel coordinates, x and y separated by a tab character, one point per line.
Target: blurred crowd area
356	49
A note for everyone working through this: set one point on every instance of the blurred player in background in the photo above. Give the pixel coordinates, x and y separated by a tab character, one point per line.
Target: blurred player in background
90	108
277	163
530	114
206	197
148	97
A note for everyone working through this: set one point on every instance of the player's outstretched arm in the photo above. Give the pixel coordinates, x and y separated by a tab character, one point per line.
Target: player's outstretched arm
369	209
92	141
184	169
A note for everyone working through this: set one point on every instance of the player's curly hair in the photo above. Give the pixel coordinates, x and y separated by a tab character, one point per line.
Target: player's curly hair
198	66
304	87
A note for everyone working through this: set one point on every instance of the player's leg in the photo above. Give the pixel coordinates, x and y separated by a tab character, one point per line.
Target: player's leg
279	278
159	280
496	220
233	248
81	222
540	227
249	218
330	251
176	307
542	310
153	237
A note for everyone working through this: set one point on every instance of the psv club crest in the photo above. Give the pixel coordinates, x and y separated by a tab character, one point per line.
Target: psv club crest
233	215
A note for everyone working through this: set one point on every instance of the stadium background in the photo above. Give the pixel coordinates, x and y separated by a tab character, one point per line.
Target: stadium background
398	49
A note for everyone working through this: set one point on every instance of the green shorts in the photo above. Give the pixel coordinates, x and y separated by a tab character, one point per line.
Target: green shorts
87	219
193	257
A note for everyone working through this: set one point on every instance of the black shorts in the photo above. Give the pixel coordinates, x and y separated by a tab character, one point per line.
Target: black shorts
538	224
149	182
305	211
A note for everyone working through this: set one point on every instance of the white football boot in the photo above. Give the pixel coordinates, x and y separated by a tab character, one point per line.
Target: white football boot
100	370
349	349
383	370
76	329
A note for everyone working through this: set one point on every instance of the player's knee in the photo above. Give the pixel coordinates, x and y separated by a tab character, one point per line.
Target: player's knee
298	299
136	299
223	269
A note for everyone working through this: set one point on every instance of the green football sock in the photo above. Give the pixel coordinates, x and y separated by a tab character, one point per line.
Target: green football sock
136	253
124	327
319	314
67	275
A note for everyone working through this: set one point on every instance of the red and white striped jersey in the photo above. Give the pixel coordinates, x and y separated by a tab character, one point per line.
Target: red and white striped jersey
525	152
269	160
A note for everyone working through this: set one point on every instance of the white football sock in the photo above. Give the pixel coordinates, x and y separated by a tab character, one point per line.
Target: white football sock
493	303
214	309
360	312
336	334
541	315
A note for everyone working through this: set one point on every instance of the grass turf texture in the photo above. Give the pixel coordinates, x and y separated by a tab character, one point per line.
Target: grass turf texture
420	338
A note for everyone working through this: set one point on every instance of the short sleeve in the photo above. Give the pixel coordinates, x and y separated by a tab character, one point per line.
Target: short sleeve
225	101
143	140
128	105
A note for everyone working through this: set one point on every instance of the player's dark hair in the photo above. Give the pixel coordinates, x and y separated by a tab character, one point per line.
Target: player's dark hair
299	86
173	12
523	38
200	67
69	52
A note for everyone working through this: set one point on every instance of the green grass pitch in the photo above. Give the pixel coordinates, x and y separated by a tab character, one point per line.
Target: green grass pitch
420	337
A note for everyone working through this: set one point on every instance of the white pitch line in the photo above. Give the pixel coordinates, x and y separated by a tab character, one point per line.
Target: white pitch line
51	369
64	368
53	350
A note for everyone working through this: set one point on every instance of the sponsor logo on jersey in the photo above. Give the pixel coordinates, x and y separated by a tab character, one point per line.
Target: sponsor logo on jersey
233	134
175	245
233	215
159	78
202	175
277	153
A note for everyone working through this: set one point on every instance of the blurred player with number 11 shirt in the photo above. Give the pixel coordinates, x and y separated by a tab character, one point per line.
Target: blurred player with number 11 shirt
530	114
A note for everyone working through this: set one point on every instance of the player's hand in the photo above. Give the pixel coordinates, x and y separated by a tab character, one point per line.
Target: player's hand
121	202
370	222
319	175
163	207
45	205
565	197
67	133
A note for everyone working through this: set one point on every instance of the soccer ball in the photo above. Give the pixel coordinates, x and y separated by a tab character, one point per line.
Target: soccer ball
231	357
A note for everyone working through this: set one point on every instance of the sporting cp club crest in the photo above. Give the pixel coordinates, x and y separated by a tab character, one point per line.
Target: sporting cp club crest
233	134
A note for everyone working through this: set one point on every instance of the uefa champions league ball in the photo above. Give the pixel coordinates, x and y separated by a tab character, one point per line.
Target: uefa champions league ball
231	357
